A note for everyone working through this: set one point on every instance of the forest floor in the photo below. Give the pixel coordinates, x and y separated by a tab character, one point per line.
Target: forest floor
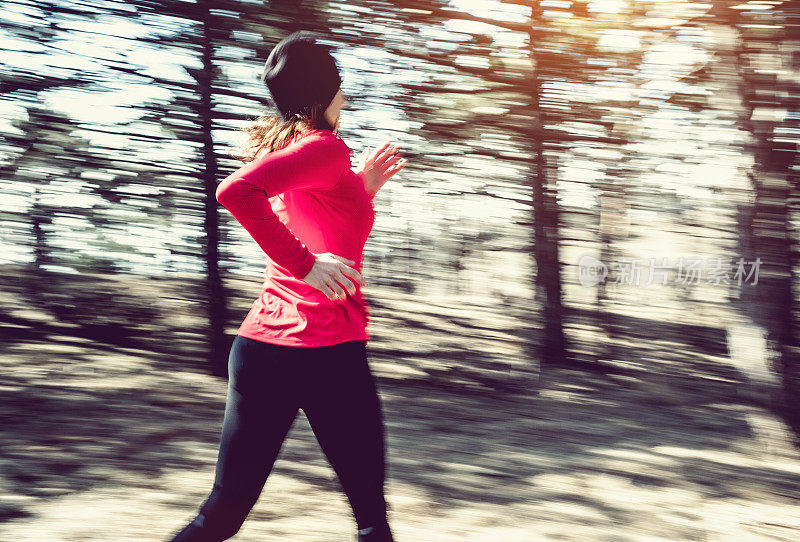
109	424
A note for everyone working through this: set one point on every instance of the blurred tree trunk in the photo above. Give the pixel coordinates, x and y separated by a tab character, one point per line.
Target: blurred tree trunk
552	345
215	298
770	235
44	134
38	219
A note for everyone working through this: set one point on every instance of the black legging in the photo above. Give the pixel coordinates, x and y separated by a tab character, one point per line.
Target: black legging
267	385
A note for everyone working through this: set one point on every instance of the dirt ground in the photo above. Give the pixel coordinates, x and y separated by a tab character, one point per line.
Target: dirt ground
117	439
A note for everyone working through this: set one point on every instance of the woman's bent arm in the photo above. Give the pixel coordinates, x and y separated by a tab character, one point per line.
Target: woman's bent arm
316	161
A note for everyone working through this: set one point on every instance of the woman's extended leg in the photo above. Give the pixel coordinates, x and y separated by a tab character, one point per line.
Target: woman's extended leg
343	408
260	409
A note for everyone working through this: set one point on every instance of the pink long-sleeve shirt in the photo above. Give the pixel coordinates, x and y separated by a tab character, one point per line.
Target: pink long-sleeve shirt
295	201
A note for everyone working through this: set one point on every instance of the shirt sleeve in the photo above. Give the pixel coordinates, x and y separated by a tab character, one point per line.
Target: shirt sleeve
316	161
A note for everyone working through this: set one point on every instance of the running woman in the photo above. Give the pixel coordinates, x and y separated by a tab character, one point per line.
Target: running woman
303	343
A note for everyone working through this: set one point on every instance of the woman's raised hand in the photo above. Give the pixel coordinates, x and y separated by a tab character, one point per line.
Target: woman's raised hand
378	166
330	276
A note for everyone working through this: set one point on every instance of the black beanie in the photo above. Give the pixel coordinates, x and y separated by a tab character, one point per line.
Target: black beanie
300	72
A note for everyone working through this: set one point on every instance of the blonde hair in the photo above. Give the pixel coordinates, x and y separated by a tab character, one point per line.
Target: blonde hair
269	132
